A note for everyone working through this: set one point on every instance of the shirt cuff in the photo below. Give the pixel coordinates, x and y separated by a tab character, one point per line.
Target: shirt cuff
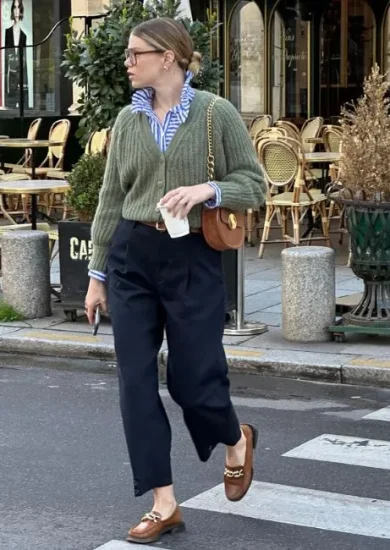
97	275
216	201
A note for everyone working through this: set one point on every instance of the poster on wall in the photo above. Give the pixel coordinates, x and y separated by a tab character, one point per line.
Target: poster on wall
16	28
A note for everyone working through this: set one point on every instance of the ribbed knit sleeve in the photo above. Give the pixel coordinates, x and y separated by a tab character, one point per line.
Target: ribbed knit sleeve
109	211
244	185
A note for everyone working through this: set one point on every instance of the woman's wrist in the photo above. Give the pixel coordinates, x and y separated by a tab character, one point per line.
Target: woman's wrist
211	191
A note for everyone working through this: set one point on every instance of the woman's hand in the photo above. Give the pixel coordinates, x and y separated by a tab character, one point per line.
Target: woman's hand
180	201
96	296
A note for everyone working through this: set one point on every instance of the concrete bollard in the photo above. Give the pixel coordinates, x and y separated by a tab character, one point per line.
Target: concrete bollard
308	293
26	272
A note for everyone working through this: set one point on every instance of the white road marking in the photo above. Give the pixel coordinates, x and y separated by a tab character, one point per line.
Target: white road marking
382	414
122	545
280	404
302	507
344	449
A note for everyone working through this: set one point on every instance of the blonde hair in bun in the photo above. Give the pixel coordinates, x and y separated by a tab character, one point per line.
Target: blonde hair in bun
163	34
195	63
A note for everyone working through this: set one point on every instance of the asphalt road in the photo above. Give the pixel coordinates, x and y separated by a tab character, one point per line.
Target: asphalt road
65	480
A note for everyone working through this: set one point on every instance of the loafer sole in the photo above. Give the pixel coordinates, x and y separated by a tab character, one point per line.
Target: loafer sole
178	528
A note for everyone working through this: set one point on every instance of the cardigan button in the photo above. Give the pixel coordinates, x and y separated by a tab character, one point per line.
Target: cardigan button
160	184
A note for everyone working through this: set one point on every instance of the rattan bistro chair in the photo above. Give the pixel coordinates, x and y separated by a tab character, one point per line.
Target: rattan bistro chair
253	215
259	123
269	133
17	203
25	160
97	143
59	132
284	168
332	139
290	128
311	129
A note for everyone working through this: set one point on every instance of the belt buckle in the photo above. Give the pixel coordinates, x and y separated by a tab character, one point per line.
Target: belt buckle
160	228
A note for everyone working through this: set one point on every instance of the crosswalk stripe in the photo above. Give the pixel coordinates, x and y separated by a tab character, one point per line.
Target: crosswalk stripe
122	545
302	507
371	453
382	414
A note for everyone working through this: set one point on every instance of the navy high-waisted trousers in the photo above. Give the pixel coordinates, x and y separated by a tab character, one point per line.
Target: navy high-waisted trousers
156	283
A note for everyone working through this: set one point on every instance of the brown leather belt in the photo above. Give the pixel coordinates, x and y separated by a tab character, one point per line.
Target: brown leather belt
160	226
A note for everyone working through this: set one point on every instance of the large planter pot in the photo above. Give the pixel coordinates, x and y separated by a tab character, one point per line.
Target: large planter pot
75	249
369	229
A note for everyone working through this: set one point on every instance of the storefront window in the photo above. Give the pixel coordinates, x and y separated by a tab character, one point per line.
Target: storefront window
289	62
23	23
347	52
386	44
246	75
215	39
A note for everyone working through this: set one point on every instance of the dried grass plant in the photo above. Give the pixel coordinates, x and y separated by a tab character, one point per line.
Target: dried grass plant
365	144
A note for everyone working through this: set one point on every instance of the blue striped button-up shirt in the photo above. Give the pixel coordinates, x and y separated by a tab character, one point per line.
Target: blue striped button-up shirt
163	132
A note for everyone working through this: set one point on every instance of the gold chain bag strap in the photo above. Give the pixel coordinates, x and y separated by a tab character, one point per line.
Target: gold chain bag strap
223	229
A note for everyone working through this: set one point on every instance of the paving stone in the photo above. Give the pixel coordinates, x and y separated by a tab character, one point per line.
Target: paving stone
274	309
273	340
271	319
262	300
82	327
253	287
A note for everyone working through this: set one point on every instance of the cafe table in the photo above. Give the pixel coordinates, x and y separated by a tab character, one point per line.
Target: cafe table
32	188
325	158
315	140
25	143
322	157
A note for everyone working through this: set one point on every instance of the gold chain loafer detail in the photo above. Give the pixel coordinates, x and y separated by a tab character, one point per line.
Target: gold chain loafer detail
238	479
156	527
234	473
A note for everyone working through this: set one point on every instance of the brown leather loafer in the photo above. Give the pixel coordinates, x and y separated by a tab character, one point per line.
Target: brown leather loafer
156	527
238	479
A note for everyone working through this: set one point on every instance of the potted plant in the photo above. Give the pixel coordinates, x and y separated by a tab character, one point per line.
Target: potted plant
75	246
364	191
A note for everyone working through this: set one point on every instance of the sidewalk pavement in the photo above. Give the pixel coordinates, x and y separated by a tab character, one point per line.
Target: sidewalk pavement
360	360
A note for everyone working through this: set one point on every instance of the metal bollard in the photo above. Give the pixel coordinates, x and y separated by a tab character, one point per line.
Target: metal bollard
26	272
308	293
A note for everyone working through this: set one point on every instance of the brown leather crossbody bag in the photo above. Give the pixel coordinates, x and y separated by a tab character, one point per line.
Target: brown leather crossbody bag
223	229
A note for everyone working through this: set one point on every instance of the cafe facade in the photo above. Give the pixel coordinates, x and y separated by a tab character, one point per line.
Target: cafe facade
290	58
295	59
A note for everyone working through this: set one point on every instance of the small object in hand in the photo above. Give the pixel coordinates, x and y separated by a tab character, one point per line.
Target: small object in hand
96	322
176	227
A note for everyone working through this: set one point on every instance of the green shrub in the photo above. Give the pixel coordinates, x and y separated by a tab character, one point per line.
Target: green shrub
85	181
8	313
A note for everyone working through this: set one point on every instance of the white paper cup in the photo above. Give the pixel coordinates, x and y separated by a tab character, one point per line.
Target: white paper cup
176	227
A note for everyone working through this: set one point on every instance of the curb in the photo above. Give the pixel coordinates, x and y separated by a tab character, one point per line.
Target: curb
322	367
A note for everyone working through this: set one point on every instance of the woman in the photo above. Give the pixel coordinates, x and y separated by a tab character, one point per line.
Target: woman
15	37
158	152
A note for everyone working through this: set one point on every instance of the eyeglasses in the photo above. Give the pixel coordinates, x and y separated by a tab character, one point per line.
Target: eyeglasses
132	57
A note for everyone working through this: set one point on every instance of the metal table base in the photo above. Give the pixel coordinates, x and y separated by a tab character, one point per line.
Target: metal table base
240	327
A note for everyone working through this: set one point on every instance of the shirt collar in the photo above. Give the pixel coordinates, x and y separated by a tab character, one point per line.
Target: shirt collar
142	100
